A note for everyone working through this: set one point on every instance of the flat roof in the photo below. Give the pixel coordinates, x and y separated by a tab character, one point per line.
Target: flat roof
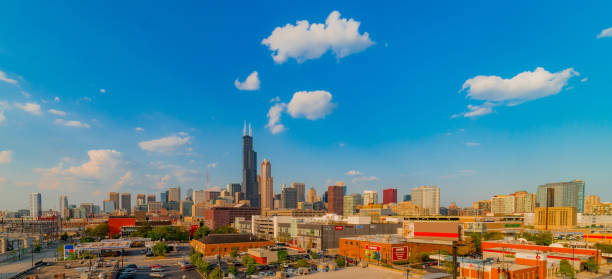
396	239
230	238
117	244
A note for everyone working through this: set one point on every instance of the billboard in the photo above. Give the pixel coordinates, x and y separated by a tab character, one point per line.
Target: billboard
372	252
449	231
400	253
68	251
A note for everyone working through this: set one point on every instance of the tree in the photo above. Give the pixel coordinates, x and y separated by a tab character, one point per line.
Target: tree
604	248
225	229
86	239
202	231
250	269
282	255
232	269
215	274
591	265
340	261
160	249
477	240
566	269
101	230
314	255
64	237
142	231
541	238
234	252
493	236
302	263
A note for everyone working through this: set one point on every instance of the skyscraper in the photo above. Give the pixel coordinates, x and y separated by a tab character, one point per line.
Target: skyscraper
233	188
199	196
114	197
126	202
349	204
503	205
524	202
35	205
108	206
389	196
163	198
407	197
266	184
140	199
249	169
370	197
63	200
301	190
590	202
563	194
288	198
312	195
427	197
174	194
335	198
150	198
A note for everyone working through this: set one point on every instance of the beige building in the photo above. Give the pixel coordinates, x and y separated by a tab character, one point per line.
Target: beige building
266	185
590	202
427	197
301	190
524	202
312	195
558	218
370	197
408	209
349	205
174	194
502	204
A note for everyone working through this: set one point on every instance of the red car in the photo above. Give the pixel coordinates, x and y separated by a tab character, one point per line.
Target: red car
187	266
154	266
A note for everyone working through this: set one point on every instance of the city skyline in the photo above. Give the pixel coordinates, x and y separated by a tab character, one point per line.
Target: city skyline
491	105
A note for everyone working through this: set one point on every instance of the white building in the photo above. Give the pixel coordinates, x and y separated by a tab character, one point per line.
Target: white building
35	205
427	197
503	204
370	197
199	196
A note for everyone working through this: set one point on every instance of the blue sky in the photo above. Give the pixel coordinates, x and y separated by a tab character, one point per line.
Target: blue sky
139	96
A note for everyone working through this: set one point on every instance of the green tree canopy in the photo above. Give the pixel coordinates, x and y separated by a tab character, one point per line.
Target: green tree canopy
282	255
225	229
340	261
160	249
565	268
202	231
302	263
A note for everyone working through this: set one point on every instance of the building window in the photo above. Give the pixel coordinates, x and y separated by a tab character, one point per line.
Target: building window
212	250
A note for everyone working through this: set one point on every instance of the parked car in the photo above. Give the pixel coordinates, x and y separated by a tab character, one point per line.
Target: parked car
187	266
157	275
155	265
158	269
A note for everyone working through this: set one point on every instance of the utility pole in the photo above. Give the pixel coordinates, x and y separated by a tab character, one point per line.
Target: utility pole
454	259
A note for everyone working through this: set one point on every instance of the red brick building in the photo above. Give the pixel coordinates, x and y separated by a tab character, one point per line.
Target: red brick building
222	244
388	248
216	217
116	222
389	196
335	198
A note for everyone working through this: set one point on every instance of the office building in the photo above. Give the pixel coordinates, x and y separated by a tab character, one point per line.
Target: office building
427	197
154	207
266	185
389	196
502	204
140	199
249	169
301	191
114	197
349	204
150	198
524	202
35	205
64	212
370	197
174	194
590	202
233	188
548	218
199	196
407	197
108	206
562	194
163	198
312	195
288	198
186	207
126	202
211	196
335	198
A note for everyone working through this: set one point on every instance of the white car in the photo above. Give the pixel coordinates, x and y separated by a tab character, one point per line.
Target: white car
157	275
158	269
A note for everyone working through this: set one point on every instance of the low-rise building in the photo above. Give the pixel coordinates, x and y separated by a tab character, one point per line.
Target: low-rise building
556	218
321	237
385	248
216	217
222	244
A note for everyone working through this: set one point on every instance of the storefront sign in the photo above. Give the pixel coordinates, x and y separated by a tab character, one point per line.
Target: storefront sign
339	228
400	253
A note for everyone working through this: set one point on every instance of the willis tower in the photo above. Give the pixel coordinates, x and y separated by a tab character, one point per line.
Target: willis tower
249	169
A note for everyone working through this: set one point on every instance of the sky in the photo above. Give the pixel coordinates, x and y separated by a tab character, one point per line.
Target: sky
477	97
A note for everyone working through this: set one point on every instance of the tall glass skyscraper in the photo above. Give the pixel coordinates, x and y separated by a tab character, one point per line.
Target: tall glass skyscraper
35	205
250	187
562	194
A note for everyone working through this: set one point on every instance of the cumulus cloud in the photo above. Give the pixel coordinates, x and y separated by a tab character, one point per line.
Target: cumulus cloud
139	129
122	181
605	33
353	172
304	41
32	108
274	116
6	79
275	99
472	144
71	123
57	112
100	161
164	145
102	90
311	105
212	165
251	83
475	111
6	156
56	99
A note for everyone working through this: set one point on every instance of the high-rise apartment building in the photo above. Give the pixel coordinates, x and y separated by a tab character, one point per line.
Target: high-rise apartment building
114	197
370	197
154	207
312	195
266	184
562	194
63	208
174	194
335	198
301	190
590	202
199	196
35	205
349	204
140	199
126	202
389	196
524	202
289	198
502	204
427	197
233	188
249	169
150	198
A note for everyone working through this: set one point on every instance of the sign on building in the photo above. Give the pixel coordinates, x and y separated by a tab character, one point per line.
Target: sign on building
437	231
68	251
400	253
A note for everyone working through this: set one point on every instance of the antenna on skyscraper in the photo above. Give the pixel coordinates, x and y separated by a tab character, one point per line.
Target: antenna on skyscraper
207	180
250	131
244	129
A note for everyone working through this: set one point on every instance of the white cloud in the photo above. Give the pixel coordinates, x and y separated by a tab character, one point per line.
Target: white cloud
4	78
57	112
274	116
584	80
304	41
6	156
475	111
139	129
356	180
471	143
26	94
100	162
32	108
275	99
311	105
2	117
71	123
56	99
605	33
251	83
163	182
102	90
341	144
525	86
166	144
353	172
212	165
122	181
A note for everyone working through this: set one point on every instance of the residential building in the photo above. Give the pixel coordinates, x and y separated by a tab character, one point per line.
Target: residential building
126	202
409	209
312	195
603	208
301	190
174	194
108	206
335	198
35	205
427	197
370	197
389	196
547	218
114	197
562	194
150	198
250	186
590	202
223	244
350	203
288	198
266	185
524	202
502	204
140	199
64	212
